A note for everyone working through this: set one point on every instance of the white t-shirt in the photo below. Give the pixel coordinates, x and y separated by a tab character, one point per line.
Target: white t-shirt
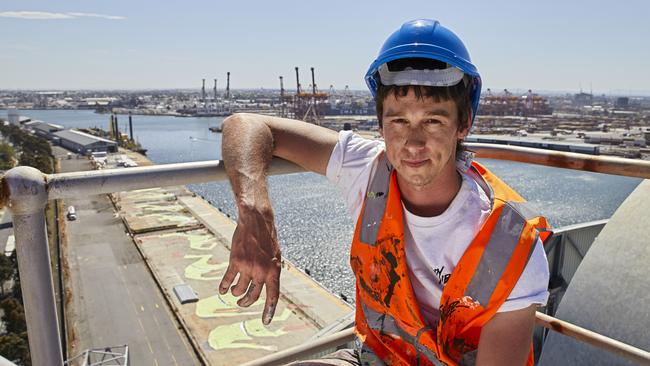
433	245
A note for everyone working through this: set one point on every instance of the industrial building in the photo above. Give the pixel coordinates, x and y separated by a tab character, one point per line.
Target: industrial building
84	143
43	129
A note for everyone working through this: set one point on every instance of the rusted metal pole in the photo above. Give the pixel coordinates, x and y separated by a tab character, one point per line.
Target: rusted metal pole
560	159
597	340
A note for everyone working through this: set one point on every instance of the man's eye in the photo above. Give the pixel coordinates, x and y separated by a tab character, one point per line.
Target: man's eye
399	120
432	121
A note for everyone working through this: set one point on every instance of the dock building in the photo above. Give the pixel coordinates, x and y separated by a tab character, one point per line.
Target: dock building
83	143
43	129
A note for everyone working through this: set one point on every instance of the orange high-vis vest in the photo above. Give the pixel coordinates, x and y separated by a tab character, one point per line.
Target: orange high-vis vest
388	318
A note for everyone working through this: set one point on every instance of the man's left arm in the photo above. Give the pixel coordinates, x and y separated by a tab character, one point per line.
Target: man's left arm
506	338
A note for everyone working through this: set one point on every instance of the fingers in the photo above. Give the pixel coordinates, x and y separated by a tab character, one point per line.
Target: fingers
252	295
272	295
242	285
227	279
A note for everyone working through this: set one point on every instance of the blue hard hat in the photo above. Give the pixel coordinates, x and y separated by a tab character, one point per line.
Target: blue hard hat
426	38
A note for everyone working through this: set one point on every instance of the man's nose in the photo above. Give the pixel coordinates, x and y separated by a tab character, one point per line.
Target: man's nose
415	139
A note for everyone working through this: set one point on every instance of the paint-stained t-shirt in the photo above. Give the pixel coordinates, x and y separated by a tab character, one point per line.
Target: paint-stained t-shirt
433	245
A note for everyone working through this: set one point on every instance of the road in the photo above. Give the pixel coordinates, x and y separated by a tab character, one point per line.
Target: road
115	299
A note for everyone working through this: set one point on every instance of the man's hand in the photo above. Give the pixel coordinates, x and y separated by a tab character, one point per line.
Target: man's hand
255	256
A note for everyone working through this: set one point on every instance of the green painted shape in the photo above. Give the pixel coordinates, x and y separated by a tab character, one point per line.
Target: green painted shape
201	241
245	334
199	268
223	306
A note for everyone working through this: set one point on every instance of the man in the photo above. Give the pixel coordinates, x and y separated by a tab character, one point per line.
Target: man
448	259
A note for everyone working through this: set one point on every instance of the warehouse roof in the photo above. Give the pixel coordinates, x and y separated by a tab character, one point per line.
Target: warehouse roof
45	127
81	138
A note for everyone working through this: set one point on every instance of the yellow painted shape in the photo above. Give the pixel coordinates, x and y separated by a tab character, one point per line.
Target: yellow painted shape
243	334
223	306
202	241
201	267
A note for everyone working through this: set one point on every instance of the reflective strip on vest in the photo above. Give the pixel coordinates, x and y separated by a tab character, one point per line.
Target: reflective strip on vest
375	203
386	324
499	250
525	209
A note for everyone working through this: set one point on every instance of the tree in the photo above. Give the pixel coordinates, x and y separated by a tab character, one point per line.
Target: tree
7	156
14	315
6	272
15	348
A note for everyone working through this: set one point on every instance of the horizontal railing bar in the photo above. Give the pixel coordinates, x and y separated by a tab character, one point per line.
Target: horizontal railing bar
305	350
85	183
595	339
560	159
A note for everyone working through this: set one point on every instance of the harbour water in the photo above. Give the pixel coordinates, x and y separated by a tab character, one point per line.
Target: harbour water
313	224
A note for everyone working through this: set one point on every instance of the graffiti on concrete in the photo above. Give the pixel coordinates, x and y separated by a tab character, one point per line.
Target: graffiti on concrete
248	334
202	269
224	306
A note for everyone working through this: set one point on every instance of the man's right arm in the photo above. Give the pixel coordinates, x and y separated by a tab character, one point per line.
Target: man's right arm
249	143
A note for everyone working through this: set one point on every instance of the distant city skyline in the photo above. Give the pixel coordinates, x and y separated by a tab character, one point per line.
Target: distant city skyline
553	46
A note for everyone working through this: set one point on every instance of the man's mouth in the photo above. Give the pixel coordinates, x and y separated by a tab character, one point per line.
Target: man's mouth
414	163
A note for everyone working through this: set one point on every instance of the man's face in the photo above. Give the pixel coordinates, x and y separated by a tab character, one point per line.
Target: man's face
420	136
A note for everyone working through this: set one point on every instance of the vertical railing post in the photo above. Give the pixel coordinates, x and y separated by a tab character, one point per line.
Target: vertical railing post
25	193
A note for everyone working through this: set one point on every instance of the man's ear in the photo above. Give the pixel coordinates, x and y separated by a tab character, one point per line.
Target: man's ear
462	133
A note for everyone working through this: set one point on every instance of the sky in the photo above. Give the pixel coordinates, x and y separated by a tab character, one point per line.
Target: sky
550	45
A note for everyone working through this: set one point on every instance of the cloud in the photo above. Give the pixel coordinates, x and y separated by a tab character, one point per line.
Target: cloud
93	15
44	15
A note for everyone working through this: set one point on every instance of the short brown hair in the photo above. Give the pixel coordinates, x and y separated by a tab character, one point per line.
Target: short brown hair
457	93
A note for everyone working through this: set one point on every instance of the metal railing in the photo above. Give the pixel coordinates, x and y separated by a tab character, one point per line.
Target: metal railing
26	190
